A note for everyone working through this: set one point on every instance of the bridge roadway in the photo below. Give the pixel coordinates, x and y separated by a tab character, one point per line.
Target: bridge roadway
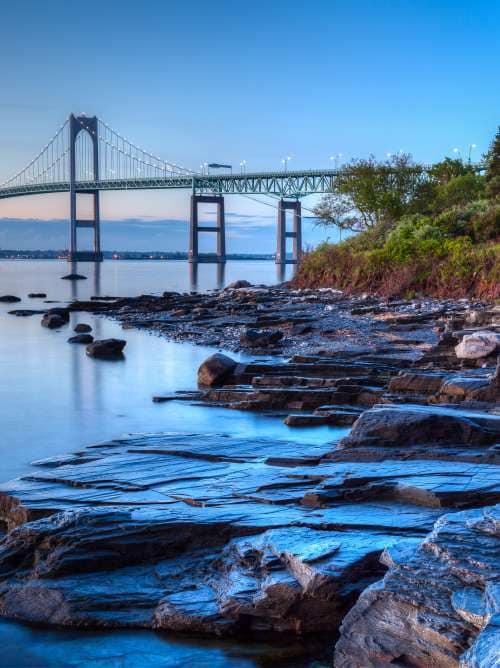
282	184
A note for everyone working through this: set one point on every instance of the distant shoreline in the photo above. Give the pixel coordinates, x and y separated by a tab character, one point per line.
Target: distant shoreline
122	255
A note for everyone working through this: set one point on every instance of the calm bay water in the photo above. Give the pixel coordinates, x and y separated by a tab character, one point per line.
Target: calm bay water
54	399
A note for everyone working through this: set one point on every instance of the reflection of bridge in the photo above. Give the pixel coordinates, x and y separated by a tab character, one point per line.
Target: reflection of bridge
86	156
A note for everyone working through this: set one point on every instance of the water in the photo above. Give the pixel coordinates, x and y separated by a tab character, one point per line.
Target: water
54	399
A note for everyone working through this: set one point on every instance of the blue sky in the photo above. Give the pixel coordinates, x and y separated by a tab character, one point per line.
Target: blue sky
227	81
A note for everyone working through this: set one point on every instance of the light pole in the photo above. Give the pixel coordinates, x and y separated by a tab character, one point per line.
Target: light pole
285	162
471	148
335	159
457	152
243	164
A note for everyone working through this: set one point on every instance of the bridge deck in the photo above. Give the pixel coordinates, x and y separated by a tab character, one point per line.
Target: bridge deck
284	184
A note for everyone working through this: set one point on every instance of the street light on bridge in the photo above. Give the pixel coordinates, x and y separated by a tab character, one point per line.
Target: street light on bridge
285	162
335	159
243	165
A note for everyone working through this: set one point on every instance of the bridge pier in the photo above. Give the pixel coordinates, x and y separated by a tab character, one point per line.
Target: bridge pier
195	228
283	235
90	125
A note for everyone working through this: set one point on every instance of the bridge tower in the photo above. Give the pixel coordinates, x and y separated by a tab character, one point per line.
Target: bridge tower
87	124
195	228
283	235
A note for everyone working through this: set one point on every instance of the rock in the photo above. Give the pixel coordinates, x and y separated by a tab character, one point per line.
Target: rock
82	328
74	277
436	601
53	321
25	312
215	369
416	383
477	345
306	420
237	285
398	426
60	311
260	338
81	338
37	295
202	532
9	299
106	348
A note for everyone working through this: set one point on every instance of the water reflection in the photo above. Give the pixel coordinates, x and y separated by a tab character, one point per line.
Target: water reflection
54	399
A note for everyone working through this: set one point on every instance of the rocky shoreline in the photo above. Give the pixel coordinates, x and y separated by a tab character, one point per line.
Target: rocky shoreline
390	537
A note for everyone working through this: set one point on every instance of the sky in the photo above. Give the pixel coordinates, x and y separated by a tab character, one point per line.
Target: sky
227	81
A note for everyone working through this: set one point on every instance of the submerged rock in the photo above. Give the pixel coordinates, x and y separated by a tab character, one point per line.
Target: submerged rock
25	312
106	348
74	277
82	328
215	369
37	295
81	338
9	299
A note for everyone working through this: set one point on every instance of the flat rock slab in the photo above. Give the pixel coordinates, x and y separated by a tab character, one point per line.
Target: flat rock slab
214	534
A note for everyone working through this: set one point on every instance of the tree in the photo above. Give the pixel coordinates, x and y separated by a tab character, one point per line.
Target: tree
493	168
449	168
367	192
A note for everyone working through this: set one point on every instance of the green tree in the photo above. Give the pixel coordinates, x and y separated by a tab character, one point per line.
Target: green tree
449	168
493	168
367	192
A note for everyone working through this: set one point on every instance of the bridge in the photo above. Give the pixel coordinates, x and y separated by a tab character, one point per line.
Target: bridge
86	156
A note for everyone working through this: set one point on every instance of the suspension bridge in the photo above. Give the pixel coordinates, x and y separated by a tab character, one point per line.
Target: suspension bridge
87	156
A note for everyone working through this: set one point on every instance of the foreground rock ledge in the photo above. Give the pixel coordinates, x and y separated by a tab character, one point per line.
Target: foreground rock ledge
218	535
437	606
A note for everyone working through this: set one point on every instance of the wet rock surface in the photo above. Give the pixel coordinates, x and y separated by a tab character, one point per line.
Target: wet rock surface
213	534
437	605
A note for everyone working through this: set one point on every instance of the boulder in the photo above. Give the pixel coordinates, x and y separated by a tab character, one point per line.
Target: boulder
260	338
60	311
9	299
434	604
74	277
394	426
215	369
81	338
82	328
37	295
106	348
477	345
53	321
239	284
